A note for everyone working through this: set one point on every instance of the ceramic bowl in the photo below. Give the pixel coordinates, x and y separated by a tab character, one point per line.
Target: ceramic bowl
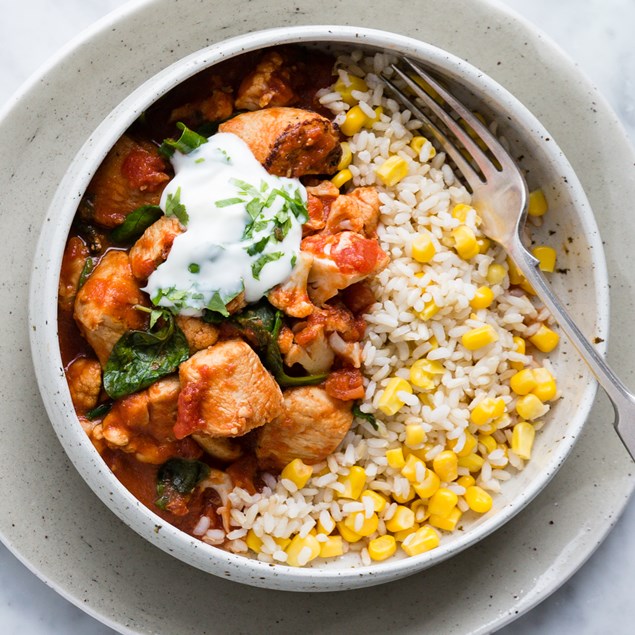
583	288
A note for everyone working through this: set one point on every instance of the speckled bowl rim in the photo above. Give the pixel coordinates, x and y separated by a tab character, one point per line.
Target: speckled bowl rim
50	374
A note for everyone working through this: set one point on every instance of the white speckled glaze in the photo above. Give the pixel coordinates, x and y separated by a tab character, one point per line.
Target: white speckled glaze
54	523
573	221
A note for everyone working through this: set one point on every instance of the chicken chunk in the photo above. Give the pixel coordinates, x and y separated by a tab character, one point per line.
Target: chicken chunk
199	334
357	212
220	448
84	382
143	424
73	262
319	200
226	392
341	260
291	296
132	174
105	305
217	106
311	428
153	247
288	141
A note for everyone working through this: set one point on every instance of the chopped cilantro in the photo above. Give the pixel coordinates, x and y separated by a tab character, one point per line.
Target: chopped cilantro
174	207
186	143
194	267
257	266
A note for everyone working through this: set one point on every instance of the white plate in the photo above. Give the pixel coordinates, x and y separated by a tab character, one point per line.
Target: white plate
117	576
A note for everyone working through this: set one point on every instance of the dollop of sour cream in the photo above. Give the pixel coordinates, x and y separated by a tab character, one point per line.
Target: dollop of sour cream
243	228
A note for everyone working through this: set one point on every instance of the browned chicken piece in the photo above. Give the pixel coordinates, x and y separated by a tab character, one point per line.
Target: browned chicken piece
269	84
142	424
341	260
153	247
73	262
105	305
199	334
84	382
220	448
357	212
291	296
218	106
288	141
226	392
132	174
327	332
312	427
319	200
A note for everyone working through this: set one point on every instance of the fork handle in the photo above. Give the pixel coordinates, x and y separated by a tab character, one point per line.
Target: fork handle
622	399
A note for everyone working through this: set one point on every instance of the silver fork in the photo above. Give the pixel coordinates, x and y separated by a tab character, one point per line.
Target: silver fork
500	195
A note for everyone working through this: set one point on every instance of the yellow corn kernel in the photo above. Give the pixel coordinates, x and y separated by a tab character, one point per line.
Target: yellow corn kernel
465	481
353	483
345	89
461	211
298	472
420	541
537	203
423	370
486	410
415	435
483	244
545	339
523	382
488	441
389	402
478	499
332	547
483	298
519	347
530	407
419	509
361	525
283	543
546	388
321	529
302	550
347	155
417	143
496	273
465	242
403	518
473	462
342	177
445	465
430	309
410	469
405	498
447	523
353	122
479	337
346	533
523	439
468	446
400	536
395	458
515	275
546	257
381	548
253	542
423	248
442	502
379	501
393	170
370	121
429	486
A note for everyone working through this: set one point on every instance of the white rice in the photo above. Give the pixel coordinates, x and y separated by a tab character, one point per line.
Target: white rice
396	337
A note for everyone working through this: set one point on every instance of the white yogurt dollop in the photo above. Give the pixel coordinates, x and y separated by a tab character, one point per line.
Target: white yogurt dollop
243	228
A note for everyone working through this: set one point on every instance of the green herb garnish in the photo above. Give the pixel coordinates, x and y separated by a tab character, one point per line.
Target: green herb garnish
99	411
257	266
194	267
366	416
87	269
174	207
186	143
136	223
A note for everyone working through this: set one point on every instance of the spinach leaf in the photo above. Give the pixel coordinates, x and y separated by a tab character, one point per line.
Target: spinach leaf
366	416
136	223
261	323
139	358
99	411
176	479
188	141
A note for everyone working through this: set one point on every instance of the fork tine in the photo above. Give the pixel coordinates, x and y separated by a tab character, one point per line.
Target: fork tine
482	161
492	143
468	172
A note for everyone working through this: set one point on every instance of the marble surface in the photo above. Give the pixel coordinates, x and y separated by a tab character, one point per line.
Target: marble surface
597	35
